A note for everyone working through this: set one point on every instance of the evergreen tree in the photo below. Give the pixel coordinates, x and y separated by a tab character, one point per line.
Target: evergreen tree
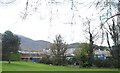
10	45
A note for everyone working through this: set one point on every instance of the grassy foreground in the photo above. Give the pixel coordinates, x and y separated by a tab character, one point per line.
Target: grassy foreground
0	66
30	66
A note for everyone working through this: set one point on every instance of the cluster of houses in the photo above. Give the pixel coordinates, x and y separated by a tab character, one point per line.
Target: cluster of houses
102	54
35	55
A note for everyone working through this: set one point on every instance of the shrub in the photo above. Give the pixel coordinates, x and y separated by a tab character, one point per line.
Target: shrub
98	62
59	61
15	57
45	59
72	61
84	62
109	63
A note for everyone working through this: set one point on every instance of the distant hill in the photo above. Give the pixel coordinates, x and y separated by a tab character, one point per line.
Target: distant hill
74	45
29	44
32	45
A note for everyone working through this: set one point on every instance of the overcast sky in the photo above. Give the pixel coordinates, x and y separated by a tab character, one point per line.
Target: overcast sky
38	25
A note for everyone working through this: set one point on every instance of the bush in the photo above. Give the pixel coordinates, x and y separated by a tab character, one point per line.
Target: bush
72	61
108	63
54	61
15	57
98	62
59	61
45	59
84	61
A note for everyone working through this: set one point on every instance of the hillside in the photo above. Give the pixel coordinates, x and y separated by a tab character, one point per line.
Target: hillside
32	45
29	44
74	45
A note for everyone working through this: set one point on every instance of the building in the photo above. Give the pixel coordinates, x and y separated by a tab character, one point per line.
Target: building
102	54
34	55
70	52
30	55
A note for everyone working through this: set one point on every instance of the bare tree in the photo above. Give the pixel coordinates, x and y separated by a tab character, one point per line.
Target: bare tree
111	24
93	35
7	1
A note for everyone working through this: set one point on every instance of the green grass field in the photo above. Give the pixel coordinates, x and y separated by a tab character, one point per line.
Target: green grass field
30	66
0	66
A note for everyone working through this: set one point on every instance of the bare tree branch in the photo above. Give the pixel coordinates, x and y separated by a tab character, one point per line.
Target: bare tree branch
112	17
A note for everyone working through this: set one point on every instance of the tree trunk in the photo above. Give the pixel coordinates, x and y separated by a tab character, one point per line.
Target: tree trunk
9	61
91	50
9	58
108	41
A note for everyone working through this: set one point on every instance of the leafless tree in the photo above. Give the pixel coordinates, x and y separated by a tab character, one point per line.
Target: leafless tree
93	35
111	24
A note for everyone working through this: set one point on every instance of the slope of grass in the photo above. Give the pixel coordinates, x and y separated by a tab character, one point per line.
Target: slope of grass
30	66
0	66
